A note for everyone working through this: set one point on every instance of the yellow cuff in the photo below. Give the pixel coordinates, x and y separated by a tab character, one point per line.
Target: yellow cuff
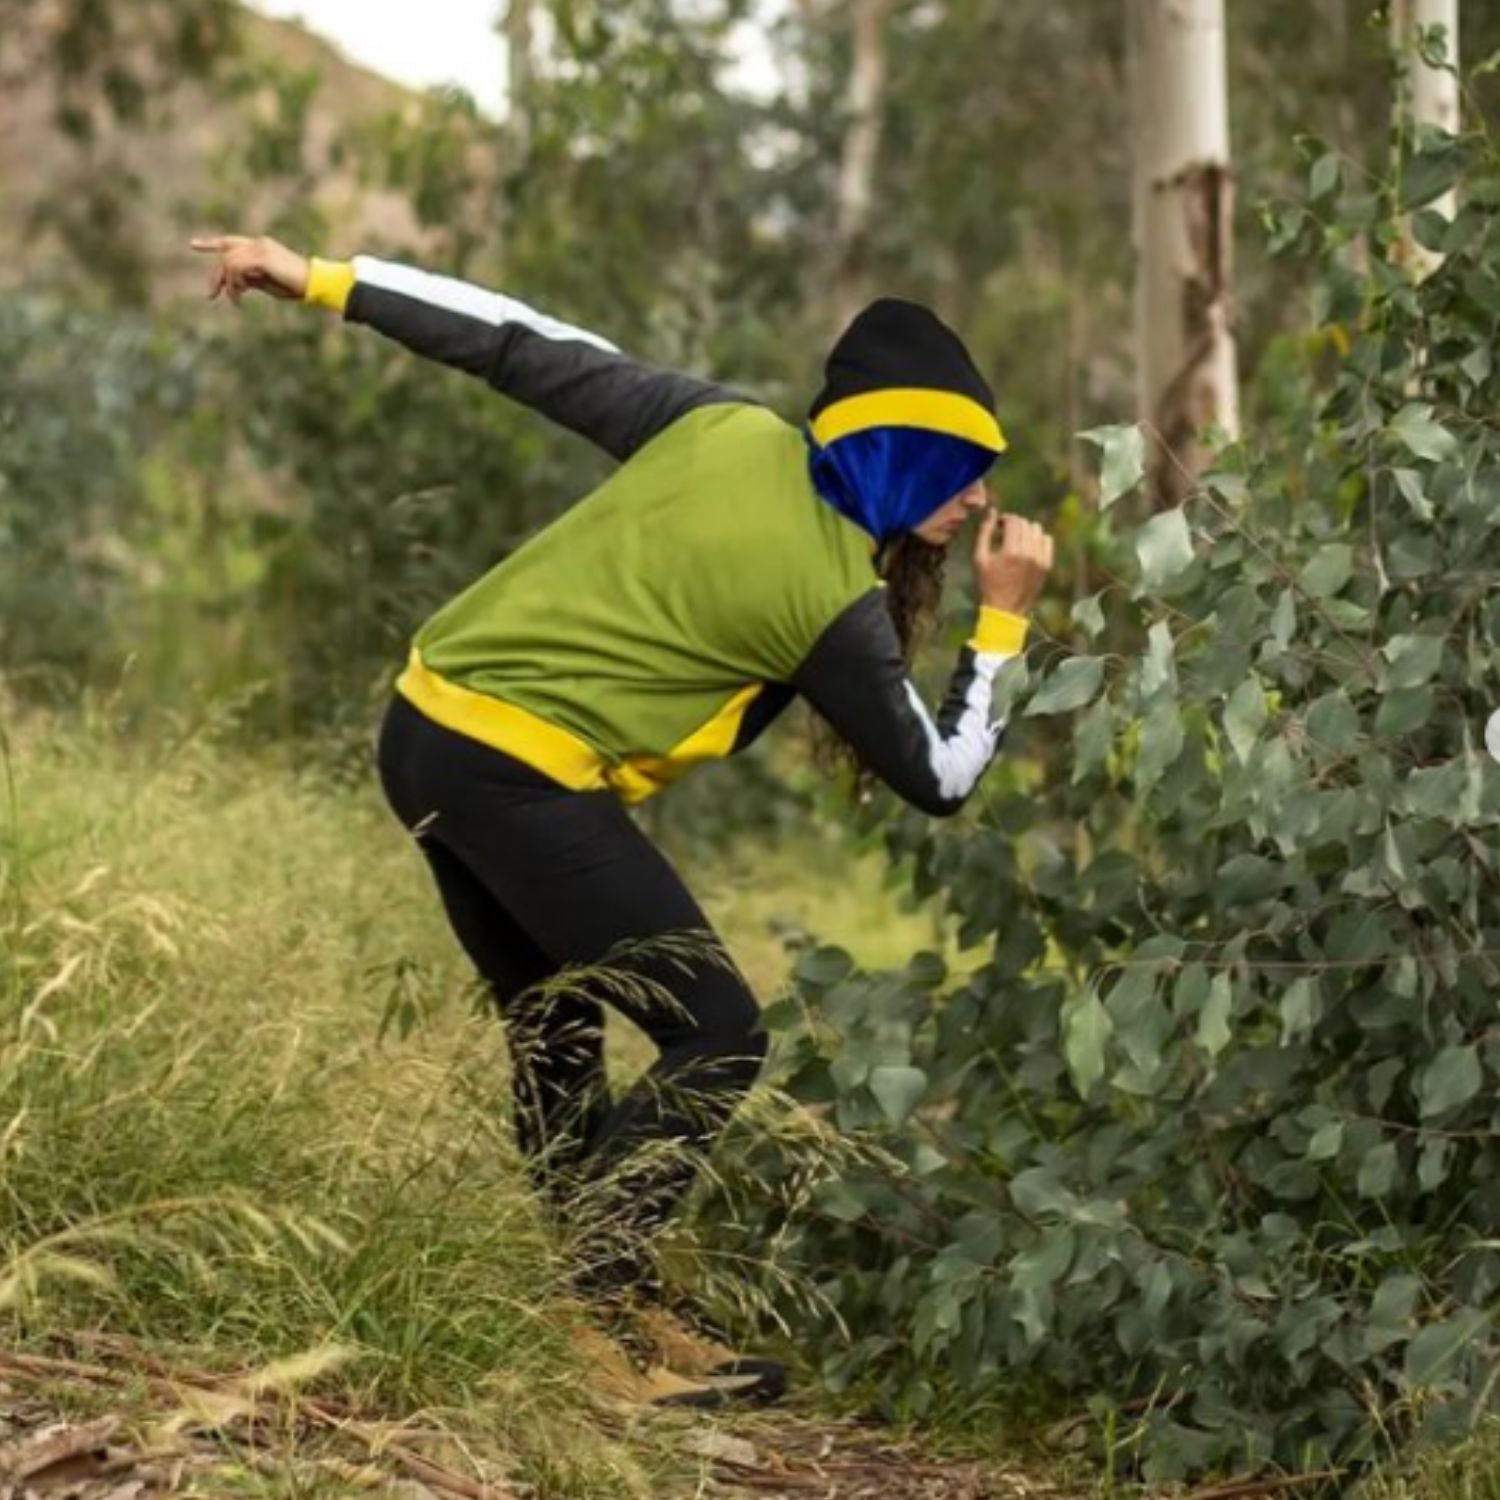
999	631
329	282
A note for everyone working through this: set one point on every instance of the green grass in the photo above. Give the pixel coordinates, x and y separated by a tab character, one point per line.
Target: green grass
210	1149
1467	1470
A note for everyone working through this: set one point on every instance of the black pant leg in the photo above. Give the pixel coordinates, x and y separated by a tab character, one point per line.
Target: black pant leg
554	1032
589	888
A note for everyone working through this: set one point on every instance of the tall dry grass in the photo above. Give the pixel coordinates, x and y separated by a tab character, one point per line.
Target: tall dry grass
251	1106
207	1144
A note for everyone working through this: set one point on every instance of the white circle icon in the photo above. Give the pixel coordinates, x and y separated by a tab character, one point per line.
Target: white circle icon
1492	735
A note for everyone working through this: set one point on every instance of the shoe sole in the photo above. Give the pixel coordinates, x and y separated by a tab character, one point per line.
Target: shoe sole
756	1382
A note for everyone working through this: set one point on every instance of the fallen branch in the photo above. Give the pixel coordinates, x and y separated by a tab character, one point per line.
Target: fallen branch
40	1364
424	1469
1243	1489
45	1449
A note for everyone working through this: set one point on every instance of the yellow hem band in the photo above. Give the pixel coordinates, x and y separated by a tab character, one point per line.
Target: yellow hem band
558	752
503	726
936	411
999	631
329	283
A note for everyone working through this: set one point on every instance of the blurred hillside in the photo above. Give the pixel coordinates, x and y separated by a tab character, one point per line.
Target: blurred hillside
152	183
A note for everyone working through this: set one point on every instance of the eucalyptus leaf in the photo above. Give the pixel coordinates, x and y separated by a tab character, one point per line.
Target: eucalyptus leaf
1038	1192
1452	1078
1086	1031
1416	428
1284	619
897	1090
1092	734
1326	1141
1432	1354
1332	724
1164	546
1391	1310
1162	739
1328	570
824	966
1072	685
1249	877
1088	614
1409	484
1244	717
1377	1172
1433	1163
1300	1009
1403	710
1214	1034
1159	669
1324	177
1428	175
1124	462
1414	659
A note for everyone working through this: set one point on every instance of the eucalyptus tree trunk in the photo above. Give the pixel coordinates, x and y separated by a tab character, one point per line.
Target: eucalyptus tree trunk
864	107
1183	197
519	79
1425	95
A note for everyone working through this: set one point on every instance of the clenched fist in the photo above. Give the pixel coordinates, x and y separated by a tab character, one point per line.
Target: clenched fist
254	263
1012	577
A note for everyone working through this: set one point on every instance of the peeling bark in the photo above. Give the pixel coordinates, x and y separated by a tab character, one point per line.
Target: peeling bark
1204	389
1183	212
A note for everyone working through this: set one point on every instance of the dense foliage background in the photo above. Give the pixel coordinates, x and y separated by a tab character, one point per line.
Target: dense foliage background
1211	1131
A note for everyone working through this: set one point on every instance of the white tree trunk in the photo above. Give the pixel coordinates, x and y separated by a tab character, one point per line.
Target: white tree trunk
1184	231
518	47
1424	95
865	103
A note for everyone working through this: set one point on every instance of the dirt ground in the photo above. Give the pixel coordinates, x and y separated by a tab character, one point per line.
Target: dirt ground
120	1425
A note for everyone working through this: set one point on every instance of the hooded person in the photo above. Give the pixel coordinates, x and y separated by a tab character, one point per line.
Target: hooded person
726	566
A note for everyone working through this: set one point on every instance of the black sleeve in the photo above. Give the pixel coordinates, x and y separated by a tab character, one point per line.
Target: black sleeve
855	676
577	379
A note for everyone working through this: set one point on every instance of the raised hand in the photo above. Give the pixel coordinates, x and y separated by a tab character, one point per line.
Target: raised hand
1012	577
253	263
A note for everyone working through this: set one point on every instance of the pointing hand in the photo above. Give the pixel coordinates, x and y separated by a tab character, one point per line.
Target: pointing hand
253	264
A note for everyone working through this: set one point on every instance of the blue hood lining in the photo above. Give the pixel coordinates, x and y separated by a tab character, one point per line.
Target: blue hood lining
890	479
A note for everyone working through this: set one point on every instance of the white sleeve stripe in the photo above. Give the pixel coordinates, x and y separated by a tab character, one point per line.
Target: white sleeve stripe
959	760
466	298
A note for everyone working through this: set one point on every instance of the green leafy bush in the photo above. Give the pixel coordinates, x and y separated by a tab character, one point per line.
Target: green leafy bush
1210	1141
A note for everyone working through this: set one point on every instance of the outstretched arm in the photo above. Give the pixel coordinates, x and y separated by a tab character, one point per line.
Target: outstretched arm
576	378
855	676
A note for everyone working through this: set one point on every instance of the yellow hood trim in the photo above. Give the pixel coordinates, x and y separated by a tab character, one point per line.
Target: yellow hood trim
910	406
